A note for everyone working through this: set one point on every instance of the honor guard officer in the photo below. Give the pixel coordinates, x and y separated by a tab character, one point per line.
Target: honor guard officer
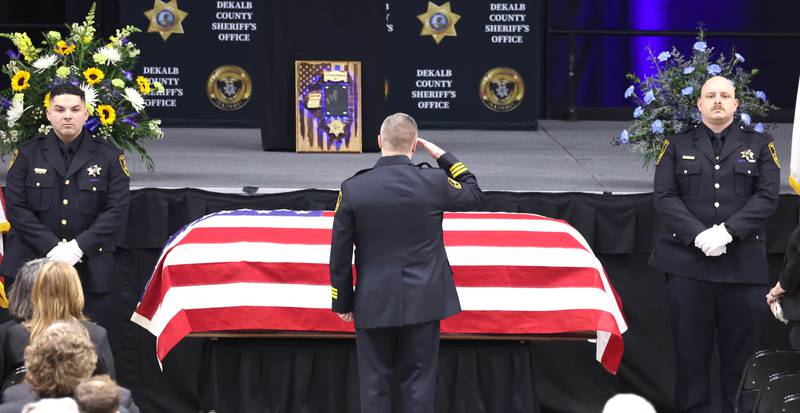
393	213
67	199
715	187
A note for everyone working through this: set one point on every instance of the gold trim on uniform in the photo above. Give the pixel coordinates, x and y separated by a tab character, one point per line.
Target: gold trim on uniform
774	154
663	151
455	184
457	169
124	165
334	293
13	158
338	202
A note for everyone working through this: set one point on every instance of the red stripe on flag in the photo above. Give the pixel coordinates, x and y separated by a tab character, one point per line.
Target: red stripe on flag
318	320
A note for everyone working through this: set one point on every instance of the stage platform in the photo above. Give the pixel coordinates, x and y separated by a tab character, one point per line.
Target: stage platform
561	156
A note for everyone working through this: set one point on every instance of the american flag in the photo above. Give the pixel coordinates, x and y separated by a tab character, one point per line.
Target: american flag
268	270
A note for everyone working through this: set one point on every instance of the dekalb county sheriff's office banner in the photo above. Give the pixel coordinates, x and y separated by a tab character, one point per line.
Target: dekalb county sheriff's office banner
205	55
463	63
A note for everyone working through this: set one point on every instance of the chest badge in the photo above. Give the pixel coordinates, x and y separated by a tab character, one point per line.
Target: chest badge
94	170
749	156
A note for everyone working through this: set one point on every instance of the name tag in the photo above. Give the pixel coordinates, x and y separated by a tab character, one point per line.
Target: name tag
688	157
39	171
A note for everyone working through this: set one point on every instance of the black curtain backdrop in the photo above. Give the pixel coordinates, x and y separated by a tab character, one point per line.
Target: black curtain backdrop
260	375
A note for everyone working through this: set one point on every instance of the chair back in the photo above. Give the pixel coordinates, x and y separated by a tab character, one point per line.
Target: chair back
791	404
771	396
761	365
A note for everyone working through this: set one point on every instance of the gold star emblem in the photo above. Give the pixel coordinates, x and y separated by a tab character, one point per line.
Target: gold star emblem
336	127
438	21
165	18
94	170
748	155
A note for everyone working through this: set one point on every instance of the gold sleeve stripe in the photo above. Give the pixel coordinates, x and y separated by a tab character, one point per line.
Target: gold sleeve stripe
460	171
456	166
664	147
774	154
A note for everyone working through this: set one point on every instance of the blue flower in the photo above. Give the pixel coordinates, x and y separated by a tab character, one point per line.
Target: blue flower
761	95
638	112
92	124
663	56
128	75
714	69
739	58
623	137
629	91
12	54
759	127
688	90
700	46
745	119
649	97
688	69
657	126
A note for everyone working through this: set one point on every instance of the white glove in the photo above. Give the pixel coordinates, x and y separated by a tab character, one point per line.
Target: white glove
68	252
713	241
702	239
777	311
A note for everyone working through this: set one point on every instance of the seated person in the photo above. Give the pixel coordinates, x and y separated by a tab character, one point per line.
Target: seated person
56	295
62	405
100	394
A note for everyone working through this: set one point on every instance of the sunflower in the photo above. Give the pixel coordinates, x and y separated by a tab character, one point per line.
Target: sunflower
20	81
144	84
63	48
47	101
93	75
107	114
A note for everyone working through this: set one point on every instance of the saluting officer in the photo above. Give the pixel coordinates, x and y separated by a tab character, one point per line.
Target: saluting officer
715	187
392	213
67	197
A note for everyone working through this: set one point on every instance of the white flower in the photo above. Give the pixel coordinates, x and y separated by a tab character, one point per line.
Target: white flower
110	54
136	100
90	94
45	129
15	111
43	63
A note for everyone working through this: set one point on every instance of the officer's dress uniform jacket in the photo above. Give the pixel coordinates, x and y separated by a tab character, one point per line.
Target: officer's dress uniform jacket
47	203
392	213
693	191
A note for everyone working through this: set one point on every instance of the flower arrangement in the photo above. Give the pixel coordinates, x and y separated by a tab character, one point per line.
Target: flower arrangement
103	69
667	101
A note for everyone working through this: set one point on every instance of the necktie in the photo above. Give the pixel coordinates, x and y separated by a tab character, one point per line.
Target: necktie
67	156
716	143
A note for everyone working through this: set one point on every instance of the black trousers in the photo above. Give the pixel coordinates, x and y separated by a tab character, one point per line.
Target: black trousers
699	309
408	355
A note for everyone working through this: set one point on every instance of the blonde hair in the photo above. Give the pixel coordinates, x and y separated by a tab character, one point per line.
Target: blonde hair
59	358
56	295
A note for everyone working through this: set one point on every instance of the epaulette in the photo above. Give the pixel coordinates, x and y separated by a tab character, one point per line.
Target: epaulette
423	165
688	128
750	129
360	172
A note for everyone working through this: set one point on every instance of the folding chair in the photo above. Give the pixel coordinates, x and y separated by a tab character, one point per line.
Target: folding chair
772	394
791	404
761	365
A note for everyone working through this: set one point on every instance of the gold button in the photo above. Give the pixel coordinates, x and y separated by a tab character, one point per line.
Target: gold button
674	235
65	202
37	184
756	236
716	185
63	222
94	188
716	157
685	172
716	167
63	240
100	249
748	172
716	204
66	182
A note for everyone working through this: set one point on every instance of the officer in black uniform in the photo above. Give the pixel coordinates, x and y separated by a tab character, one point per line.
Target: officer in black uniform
67	196
392	213
715	187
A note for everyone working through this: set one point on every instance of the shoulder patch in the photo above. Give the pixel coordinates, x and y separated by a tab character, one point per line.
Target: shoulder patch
338	202
13	158
455	184
664	146
774	154
124	165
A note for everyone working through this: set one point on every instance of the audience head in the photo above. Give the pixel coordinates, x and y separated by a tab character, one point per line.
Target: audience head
59	358
628	402
62	405
98	394
56	295
19	298
398	135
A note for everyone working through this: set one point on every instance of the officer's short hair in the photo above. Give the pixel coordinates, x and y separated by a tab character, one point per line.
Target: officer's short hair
399	132
67	89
